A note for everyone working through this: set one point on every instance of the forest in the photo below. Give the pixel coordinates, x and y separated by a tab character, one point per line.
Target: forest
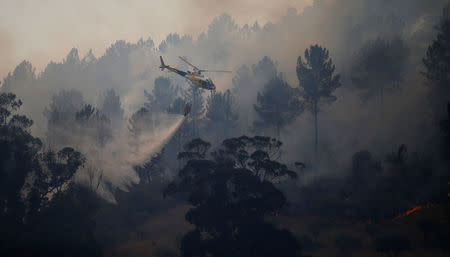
331	137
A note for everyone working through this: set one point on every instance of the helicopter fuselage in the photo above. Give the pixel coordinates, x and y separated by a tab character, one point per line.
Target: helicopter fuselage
194	77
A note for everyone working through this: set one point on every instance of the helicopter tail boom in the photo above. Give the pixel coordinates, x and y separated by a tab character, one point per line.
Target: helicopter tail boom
163	65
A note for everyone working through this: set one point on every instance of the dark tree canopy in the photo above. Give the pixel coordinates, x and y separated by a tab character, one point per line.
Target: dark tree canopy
316	76
53	175
111	105
18	149
163	95
379	67
265	69
437	65
8	104
230	201
219	107
69	119
93	123
445	142
38	209
277	105
23	75
64	106
242	79
317	81
194	149
221	114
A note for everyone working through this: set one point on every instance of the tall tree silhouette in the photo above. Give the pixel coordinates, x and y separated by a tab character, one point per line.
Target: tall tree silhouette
437	65
22	76
111	105
230	201
42	212
162	96
17	150
317	81
379	67
277	105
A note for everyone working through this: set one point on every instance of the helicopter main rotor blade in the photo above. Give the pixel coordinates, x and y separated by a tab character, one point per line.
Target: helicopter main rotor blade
215	71
190	64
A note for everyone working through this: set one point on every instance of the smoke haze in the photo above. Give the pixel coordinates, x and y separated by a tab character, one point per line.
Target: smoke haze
348	98
44	31
228	42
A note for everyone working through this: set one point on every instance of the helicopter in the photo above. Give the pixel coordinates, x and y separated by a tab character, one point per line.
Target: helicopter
195	77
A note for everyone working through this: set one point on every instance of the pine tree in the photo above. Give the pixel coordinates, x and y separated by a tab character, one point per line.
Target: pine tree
317	81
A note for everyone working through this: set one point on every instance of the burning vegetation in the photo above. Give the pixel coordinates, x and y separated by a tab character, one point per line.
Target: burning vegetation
412	210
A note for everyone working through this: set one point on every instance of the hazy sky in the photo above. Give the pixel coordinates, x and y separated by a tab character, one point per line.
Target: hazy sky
45	30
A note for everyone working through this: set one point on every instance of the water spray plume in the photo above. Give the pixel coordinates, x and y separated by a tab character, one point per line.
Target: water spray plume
118	158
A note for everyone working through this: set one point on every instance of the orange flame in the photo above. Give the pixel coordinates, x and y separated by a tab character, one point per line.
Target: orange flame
412	210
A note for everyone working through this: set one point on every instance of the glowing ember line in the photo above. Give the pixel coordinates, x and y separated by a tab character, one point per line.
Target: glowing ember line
412	210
